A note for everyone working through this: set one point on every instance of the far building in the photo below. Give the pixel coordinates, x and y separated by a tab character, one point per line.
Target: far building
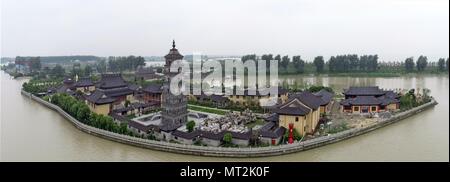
143	74
254	97
25	65
361	100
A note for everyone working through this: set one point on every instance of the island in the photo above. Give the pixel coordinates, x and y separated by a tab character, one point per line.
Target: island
139	109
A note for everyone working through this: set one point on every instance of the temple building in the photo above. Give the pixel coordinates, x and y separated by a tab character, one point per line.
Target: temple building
84	85
152	93
255	98
110	93
302	110
369	100
174	107
143	74
327	98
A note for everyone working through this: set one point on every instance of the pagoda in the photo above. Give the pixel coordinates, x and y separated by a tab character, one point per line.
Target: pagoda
174	107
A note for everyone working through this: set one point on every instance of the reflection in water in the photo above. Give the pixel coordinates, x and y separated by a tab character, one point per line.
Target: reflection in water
31	132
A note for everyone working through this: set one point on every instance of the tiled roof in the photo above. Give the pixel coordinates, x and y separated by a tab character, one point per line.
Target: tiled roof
142	127
116	92
120	118
292	107
364	91
173	53
243	136
386	98
84	82
391	94
325	96
62	89
99	97
169	127
308	99
134	87
153	88
109	81
213	136
186	135
361	100
272	118
271	130
68	80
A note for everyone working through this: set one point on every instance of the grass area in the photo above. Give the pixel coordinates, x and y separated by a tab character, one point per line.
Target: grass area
207	109
253	124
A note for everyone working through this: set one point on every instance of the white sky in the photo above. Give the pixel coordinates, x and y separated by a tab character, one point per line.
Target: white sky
394	29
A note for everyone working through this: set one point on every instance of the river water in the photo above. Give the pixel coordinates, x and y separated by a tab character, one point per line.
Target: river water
31	132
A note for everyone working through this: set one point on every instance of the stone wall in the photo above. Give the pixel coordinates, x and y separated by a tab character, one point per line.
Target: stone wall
230	152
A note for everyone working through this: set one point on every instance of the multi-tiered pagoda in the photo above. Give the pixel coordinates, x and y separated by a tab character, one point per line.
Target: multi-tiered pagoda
174	107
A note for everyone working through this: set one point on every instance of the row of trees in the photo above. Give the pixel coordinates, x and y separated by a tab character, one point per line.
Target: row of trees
346	63
79	110
350	63
119	64
422	63
35	87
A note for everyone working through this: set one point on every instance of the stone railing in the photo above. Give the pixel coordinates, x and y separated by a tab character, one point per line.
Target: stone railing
230	152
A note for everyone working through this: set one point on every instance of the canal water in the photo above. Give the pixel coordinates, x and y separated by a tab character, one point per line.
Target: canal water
31	132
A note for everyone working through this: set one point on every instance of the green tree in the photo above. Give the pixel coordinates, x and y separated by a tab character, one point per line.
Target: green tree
446	64
268	58
190	126
441	64
409	64
285	61
227	138
278	58
299	64
101	66
58	71
319	63
87	70
422	63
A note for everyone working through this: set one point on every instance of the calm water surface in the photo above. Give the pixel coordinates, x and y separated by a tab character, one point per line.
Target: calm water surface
31	132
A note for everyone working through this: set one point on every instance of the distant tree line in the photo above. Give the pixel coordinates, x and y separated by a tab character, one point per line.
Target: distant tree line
67	59
130	63
350	63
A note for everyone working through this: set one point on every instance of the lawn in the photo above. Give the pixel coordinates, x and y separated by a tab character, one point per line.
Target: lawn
207	109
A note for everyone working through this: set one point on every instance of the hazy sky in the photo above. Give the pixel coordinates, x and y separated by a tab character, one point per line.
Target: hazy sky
394	29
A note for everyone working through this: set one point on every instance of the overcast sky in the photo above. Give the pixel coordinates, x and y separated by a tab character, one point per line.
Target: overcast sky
393	29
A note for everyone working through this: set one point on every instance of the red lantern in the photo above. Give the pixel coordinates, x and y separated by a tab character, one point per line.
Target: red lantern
291	133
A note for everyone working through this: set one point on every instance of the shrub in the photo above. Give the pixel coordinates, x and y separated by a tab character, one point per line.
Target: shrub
227	138
190	126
